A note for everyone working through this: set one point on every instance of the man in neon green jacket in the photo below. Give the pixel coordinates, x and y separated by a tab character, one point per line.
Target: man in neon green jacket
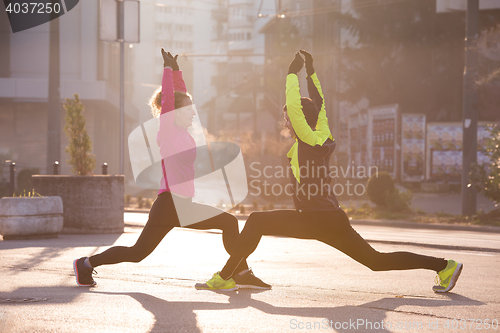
318	215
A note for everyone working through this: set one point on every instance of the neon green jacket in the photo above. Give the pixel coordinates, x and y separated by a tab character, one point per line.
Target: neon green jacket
311	152
298	120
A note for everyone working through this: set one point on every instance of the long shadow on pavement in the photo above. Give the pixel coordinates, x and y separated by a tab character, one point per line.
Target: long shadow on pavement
181	316
55	247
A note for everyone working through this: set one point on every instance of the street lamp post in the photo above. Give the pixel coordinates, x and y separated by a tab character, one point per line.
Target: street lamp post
121	40
54	102
113	14
469	151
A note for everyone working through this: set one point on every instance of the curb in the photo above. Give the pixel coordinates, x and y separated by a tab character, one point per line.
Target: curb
437	246
403	225
432	226
390	223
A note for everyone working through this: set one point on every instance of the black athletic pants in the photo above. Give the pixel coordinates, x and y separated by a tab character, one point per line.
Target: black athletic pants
330	227
162	219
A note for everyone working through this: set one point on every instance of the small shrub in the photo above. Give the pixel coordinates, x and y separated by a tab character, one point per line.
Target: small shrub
148	203
29	194
140	201
362	212
239	208
397	201
485	177
81	160
255	205
491	218
271	206
378	186
127	199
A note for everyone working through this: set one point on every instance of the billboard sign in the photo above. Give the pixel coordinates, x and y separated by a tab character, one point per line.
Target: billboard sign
412	147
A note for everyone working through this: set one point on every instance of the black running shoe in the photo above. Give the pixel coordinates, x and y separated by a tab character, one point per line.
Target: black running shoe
83	274
246	280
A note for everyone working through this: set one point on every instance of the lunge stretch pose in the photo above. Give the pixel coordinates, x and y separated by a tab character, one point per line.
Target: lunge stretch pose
178	151
318	215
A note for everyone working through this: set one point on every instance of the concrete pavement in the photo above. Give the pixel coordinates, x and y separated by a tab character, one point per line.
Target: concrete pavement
315	288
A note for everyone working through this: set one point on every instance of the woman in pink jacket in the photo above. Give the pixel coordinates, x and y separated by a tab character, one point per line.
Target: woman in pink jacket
178	150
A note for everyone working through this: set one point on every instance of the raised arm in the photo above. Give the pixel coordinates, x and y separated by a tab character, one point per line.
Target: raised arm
316	94
294	110
314	90
179	84
167	117
167	83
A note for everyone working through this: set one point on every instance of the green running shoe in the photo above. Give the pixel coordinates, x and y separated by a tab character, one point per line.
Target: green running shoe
447	278
217	283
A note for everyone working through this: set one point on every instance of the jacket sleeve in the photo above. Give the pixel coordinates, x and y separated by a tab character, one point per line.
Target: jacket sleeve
167	117
297	118
316	94
179	84
167	91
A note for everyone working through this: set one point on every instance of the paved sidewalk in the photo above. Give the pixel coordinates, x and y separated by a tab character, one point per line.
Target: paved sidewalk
448	203
432	235
313	284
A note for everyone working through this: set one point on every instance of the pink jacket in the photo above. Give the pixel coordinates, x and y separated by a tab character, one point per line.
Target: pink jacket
177	146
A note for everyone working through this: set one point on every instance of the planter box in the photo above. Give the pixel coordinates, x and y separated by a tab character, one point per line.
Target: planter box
25	218
92	204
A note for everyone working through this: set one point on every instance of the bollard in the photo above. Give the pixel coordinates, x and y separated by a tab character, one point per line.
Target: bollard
105	168
12	187
56	168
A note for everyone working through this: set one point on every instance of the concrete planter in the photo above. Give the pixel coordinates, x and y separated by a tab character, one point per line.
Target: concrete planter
25	218
92	204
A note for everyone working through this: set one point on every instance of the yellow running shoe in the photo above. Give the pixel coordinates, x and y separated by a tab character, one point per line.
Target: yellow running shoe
217	283
447	278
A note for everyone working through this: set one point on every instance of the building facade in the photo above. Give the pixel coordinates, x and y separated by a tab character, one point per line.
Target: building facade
88	67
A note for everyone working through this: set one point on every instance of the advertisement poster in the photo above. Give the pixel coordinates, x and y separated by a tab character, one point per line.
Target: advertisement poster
383	134
413	147
444	150
447	165
445	136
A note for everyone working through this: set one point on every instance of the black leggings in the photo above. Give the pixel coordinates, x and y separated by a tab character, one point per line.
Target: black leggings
330	227
162	219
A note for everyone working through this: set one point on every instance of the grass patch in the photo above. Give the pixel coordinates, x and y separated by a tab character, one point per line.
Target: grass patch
368	212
